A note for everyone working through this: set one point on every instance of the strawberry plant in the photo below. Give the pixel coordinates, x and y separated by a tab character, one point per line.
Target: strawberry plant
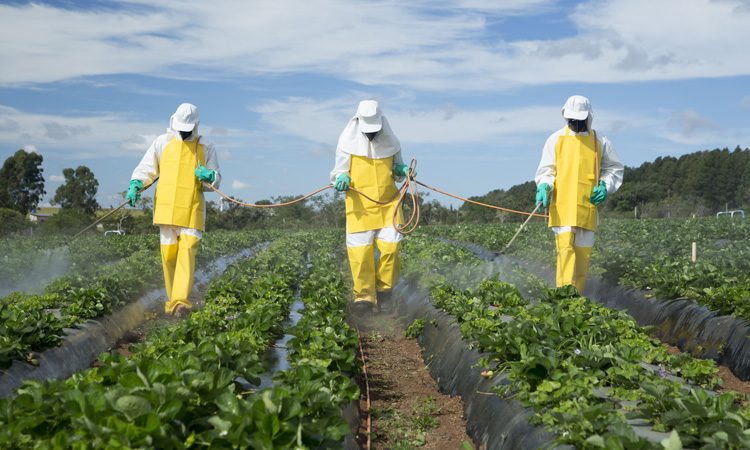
653	255
190	384
584	369
34	322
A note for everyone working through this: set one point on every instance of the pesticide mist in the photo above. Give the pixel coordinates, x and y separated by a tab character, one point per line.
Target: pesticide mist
48	265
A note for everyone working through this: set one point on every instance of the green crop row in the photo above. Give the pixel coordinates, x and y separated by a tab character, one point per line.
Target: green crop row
27	261
587	371
654	255
322	356
34	322
187	385
179	389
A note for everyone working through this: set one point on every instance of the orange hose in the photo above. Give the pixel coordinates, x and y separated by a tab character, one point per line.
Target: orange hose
500	208
410	186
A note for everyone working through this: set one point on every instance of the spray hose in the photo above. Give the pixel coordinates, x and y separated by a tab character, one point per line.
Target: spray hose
122	205
410	186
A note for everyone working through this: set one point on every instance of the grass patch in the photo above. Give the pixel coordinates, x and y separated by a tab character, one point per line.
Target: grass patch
400	431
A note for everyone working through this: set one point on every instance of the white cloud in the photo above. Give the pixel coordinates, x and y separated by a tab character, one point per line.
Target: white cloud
99	135
321	121
422	45
695	130
30	148
57	178
237	184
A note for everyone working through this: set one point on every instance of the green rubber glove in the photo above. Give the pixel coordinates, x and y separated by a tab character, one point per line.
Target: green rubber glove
134	191
542	194
402	170
342	182
599	194
205	174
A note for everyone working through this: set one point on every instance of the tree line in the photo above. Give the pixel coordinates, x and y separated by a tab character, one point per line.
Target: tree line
700	183
22	189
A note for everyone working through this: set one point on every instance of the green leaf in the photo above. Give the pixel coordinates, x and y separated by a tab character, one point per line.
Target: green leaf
133	406
227	403
223	426
673	442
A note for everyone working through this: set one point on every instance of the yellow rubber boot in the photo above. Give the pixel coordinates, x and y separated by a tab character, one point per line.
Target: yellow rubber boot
583	259
566	259
389	265
362	264
184	272
168	261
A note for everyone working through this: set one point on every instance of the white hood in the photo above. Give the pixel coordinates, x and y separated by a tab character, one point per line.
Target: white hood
354	142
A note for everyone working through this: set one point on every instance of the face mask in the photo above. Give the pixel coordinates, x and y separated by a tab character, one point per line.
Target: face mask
577	126
185	135
371	136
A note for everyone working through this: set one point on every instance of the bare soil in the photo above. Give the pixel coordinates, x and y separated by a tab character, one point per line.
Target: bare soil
407	408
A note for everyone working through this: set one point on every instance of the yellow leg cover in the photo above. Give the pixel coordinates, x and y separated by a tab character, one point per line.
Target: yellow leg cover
168	261
389	265
184	272
362	263
583	258
566	258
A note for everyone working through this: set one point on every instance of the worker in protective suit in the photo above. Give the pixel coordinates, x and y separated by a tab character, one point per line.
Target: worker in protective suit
368	158
578	170
182	161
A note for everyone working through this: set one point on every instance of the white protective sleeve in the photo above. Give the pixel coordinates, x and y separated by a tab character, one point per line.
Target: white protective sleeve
342	165
611	169
344	161
212	162
148	169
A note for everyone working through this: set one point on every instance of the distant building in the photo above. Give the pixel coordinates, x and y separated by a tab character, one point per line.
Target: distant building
38	217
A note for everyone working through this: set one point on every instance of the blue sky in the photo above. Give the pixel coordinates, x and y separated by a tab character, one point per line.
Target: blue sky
471	87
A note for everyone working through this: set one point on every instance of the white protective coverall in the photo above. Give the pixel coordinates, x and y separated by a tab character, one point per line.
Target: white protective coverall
180	231
574	240
370	165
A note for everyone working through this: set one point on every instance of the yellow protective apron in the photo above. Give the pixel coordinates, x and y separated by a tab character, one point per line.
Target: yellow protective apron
374	177
179	197
577	162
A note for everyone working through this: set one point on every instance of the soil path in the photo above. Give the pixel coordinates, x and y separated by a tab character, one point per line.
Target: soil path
407	408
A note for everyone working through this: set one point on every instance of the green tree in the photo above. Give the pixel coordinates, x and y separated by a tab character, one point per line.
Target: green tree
78	191
21	182
11	221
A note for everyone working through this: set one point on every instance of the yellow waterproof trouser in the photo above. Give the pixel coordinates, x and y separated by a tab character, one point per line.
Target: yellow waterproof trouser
566	259
168	263
572	262
389	265
362	264
184	272
583	259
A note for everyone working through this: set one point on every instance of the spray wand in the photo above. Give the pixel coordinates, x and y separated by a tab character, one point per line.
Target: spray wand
523	225
122	205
